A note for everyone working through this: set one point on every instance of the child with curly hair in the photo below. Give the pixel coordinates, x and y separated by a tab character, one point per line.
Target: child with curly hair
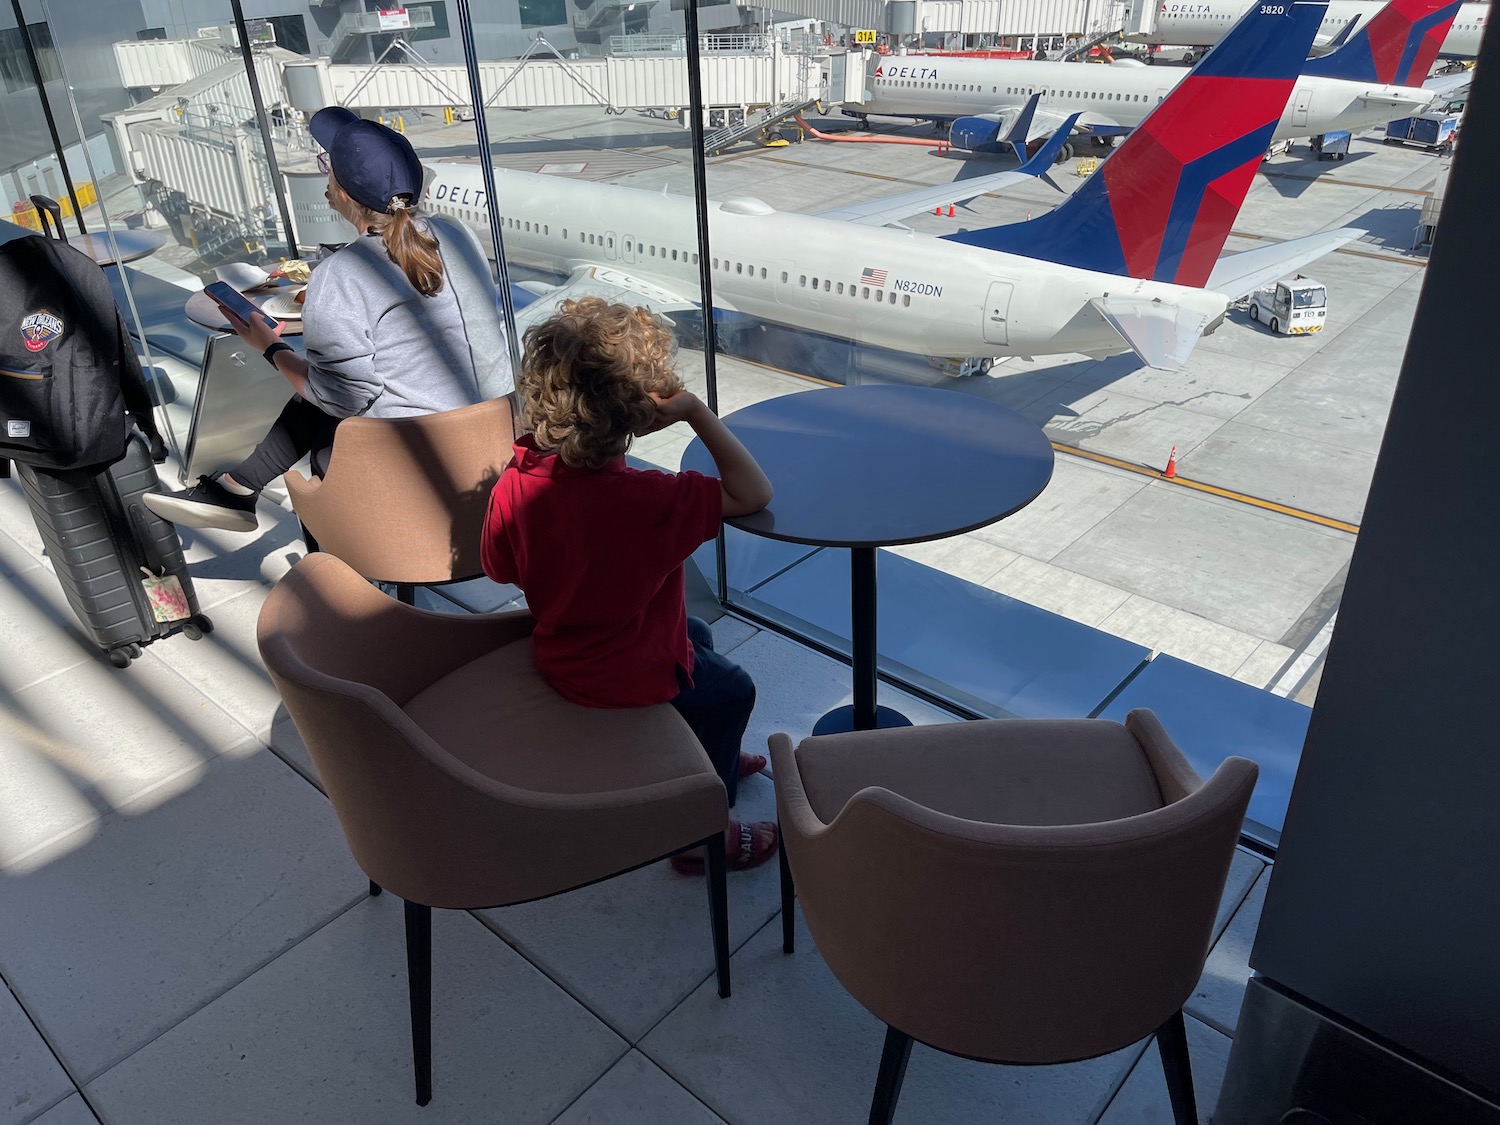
598	546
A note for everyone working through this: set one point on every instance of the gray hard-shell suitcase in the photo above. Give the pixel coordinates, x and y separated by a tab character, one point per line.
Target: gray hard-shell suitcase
99	536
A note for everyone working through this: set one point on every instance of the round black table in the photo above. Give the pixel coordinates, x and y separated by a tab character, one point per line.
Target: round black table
868	467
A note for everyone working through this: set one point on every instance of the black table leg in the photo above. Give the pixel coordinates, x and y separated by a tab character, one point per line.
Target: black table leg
864	714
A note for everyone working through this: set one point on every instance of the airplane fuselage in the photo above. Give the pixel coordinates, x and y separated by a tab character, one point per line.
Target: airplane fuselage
1205	22
947	87
890	288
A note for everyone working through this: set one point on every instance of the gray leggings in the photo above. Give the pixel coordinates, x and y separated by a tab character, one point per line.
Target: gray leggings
299	430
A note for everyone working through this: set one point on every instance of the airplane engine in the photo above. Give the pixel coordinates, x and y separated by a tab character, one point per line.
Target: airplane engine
978	134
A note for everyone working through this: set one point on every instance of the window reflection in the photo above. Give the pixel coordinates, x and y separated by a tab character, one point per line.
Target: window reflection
15	68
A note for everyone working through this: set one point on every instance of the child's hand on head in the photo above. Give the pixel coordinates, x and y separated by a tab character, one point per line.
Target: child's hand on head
670	409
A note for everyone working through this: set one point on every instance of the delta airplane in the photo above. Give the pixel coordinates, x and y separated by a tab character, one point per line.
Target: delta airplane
1204	22
1343	91
1128	263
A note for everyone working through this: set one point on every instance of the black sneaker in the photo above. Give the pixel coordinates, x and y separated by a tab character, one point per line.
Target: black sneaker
206	504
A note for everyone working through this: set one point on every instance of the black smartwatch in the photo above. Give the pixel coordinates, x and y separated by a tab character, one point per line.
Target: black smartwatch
278	346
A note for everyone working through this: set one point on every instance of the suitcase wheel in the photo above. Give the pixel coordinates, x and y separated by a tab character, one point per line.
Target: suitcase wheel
197	627
121	657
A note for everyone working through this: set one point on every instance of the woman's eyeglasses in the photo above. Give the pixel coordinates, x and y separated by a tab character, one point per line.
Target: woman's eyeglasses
324	165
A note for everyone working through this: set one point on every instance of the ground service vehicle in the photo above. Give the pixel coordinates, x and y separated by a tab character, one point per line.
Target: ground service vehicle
1331	146
1430	130
1293	308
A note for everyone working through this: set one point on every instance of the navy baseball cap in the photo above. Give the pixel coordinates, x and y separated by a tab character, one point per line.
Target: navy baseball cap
370	161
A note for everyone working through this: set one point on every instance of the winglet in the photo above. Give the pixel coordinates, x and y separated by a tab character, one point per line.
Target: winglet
1396	47
1343	36
1020	130
1047	154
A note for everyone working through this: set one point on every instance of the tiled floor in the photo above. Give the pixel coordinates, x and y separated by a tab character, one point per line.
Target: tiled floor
184	937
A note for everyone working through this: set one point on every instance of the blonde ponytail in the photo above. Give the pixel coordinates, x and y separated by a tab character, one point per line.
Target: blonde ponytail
410	246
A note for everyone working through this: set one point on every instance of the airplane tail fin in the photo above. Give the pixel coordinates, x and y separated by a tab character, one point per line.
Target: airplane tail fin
1162	205
1396	47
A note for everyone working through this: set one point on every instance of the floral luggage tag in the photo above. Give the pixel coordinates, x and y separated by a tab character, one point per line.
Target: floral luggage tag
168	602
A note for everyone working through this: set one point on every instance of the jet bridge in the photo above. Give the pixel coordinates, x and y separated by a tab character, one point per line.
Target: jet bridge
769	76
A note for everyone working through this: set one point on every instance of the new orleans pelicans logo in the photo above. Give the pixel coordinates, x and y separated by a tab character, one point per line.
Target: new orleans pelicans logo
40	328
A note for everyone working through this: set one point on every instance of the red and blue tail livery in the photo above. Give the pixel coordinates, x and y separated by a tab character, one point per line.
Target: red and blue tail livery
1396	48
1163	203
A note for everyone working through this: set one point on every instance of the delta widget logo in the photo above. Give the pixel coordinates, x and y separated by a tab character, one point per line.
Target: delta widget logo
40	328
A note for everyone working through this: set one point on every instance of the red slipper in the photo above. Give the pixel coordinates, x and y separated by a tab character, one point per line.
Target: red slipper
751	764
758	841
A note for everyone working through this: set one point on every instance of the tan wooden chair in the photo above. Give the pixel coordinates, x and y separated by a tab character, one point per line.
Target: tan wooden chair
462	781
404	499
1012	891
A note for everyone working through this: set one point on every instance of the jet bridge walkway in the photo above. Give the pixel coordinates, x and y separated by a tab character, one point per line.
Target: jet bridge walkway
775	76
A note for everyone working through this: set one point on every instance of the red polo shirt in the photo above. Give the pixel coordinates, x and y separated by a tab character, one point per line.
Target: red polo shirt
599	553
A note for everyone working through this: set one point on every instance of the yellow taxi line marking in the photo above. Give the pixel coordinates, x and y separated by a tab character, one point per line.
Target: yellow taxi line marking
1211	489
779	370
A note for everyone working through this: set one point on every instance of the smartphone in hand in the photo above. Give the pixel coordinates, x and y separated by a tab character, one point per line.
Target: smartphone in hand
237	303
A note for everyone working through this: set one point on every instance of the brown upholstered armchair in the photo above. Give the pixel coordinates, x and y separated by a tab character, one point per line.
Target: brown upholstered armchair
1015	891
404	498
462	781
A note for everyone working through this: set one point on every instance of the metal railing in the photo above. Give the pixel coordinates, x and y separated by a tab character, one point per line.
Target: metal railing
754	123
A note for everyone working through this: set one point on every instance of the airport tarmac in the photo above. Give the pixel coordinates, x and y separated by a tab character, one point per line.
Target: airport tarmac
1239	564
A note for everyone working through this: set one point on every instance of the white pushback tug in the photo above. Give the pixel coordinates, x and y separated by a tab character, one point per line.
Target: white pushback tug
1291	308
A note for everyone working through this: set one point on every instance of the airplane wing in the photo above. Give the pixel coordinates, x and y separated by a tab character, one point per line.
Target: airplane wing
1448	85
1239	275
1161	335
609	283
892	208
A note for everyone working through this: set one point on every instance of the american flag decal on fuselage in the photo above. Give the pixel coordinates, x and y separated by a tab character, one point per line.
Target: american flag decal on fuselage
873	277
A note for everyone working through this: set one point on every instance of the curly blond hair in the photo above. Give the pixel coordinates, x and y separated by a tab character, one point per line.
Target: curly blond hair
587	376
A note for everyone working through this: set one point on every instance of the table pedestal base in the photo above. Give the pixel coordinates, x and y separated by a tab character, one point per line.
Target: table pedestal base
841	719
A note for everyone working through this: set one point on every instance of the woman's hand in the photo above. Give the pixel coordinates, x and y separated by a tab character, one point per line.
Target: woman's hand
257	333
669	411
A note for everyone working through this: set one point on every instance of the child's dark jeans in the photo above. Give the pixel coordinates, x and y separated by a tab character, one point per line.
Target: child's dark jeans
718	704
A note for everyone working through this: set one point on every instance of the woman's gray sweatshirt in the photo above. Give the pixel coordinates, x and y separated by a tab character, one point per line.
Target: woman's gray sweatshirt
378	347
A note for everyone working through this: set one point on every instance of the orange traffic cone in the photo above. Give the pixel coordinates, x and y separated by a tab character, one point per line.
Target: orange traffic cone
950	210
938	210
1171	470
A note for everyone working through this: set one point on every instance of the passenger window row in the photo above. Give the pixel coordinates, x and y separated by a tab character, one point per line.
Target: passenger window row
1028	91
856	292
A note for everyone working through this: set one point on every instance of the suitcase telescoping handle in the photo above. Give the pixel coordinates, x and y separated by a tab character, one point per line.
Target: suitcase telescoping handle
145	536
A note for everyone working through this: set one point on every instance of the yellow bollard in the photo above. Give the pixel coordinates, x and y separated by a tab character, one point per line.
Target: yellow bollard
401	125
448	115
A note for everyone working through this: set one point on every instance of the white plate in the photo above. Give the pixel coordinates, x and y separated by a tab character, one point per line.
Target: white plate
282	306
241	275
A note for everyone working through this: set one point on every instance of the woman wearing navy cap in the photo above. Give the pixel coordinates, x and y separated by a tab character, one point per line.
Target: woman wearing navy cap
400	321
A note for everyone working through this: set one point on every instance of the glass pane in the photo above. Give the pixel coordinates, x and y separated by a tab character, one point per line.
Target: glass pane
593	174
1235	563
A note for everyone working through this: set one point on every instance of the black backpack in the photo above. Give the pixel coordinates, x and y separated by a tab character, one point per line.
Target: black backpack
69	374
